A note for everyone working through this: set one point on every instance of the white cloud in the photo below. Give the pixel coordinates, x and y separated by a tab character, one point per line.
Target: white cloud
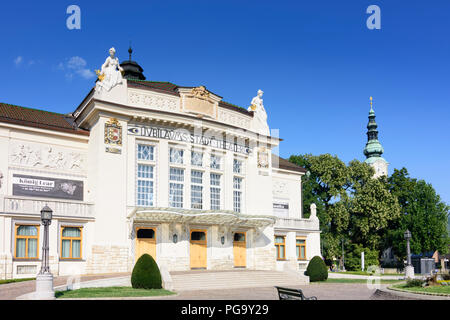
18	60
76	65
86	73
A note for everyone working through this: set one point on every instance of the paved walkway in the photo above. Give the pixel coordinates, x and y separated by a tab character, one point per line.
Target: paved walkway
11	291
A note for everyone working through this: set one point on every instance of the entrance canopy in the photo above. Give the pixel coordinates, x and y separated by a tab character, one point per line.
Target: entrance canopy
206	217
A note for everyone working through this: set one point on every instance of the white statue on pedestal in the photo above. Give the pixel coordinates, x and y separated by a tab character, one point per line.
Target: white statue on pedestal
110	74
257	106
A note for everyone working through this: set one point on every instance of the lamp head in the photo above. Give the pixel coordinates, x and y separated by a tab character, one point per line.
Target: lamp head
407	234
46	214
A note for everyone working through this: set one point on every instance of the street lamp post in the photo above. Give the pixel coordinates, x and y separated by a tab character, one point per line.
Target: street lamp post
409	270
44	279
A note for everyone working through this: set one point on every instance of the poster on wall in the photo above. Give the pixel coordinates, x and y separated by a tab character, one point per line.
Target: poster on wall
281	209
32	186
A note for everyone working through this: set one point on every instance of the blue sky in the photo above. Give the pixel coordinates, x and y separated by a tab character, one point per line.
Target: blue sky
315	60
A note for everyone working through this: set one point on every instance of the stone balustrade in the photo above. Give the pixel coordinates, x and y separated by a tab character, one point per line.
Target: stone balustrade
21	205
292	223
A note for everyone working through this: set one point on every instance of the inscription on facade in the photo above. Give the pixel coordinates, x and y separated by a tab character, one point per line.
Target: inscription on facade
184	136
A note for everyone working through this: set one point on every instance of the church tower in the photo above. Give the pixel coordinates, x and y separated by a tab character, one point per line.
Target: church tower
374	149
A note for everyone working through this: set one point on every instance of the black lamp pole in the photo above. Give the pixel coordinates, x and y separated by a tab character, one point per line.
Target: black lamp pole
46	218
408	249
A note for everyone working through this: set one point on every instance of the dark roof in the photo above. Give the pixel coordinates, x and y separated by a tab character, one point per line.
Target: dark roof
156	85
287	165
234	107
168	87
39	119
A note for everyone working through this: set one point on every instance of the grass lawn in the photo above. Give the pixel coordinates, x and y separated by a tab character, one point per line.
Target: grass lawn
15	280
432	289
363	273
109	292
382	281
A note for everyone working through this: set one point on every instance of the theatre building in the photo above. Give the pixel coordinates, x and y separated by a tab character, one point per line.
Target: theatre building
149	167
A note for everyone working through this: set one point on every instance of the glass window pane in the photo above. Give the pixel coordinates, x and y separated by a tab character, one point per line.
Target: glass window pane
20	248
215	162
302	253
65	249
281	252
32	248
237	166
176	155
198	236
145	152
27	231
76	249
71	232
196	158
279	239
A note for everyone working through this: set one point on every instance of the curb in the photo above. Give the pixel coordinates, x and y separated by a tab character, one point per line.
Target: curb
124	298
420	293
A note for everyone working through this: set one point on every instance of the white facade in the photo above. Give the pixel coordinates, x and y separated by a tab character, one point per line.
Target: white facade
129	170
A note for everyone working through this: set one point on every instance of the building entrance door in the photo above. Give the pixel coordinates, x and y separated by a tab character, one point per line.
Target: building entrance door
240	250
198	249
145	242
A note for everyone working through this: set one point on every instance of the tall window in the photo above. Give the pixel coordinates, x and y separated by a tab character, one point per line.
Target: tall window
145	189
197	158
26	242
215	163
280	246
145	184
237	166
196	189
301	248
176	187
237	194
215	191
71	242
176	155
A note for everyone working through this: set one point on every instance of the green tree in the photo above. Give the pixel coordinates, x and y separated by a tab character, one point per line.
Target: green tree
422	212
353	257
372	209
351	205
325	186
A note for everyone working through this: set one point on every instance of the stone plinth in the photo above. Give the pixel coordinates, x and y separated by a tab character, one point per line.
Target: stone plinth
44	287
409	272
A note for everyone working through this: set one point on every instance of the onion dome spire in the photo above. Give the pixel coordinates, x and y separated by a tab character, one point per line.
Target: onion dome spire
373	148
131	69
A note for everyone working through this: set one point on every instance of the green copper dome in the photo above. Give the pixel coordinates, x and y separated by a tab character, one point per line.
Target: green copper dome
373	149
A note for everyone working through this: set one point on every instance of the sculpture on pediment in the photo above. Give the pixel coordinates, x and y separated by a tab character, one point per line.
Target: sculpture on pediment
111	73
257	106
200	92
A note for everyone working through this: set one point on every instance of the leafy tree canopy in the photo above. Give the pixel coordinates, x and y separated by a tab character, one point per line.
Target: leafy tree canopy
422	212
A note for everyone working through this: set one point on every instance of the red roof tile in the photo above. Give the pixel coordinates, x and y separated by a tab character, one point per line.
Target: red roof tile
38	119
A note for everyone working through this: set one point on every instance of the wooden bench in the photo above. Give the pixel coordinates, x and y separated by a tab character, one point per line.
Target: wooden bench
292	294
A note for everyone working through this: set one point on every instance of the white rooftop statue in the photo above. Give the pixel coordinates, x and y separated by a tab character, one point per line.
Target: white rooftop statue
257	106
111	73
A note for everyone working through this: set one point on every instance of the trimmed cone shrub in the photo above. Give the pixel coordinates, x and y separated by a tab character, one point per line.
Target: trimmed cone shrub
317	270
146	274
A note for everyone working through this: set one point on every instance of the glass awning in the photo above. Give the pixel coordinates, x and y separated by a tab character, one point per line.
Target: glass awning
207	217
